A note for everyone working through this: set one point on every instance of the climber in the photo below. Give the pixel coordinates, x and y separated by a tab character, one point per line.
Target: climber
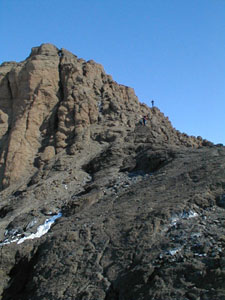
144	119
60	53
152	103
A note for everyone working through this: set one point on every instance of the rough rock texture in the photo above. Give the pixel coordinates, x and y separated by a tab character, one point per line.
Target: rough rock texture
54	101
142	206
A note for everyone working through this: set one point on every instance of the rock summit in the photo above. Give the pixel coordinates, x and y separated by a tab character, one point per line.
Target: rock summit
94	205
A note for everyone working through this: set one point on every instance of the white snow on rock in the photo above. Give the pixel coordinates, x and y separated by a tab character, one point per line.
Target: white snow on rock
174	251
7	242
41	230
184	215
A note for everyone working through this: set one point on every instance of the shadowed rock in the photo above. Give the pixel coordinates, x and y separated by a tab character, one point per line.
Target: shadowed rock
142	206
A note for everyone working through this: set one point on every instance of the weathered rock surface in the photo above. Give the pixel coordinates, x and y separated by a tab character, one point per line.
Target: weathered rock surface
54	101
142	206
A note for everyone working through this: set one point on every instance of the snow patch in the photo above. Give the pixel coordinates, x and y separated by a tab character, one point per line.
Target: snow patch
174	251
184	215
41	230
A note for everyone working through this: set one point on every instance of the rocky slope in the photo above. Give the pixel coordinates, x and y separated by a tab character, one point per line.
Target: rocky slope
137	212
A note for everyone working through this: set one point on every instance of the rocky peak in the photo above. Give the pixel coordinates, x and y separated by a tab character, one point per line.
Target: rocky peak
45	50
54	101
93	199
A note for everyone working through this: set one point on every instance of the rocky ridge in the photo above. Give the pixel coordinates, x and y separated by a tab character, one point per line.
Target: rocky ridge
94	205
54	101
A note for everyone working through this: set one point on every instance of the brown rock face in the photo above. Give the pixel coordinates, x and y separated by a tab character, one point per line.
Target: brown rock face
29	98
137	212
53	100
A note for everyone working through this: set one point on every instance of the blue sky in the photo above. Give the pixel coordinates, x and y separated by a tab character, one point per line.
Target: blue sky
172	51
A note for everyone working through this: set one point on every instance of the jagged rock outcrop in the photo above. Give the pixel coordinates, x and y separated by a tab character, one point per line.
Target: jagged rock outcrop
53	100
29	98
95	206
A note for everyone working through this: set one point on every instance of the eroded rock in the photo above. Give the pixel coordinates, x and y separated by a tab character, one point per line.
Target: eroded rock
142	206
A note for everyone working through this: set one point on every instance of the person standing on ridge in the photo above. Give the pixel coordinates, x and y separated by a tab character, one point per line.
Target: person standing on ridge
152	103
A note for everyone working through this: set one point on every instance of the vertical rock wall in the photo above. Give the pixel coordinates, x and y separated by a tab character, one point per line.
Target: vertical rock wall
29	98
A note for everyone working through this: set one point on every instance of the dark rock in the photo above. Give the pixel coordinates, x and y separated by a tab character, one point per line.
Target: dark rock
142	218
221	201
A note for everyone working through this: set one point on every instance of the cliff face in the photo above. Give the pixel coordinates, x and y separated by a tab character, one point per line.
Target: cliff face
93	204
54	101
29	96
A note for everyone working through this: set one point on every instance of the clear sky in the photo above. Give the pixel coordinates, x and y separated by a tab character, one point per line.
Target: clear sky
172	51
